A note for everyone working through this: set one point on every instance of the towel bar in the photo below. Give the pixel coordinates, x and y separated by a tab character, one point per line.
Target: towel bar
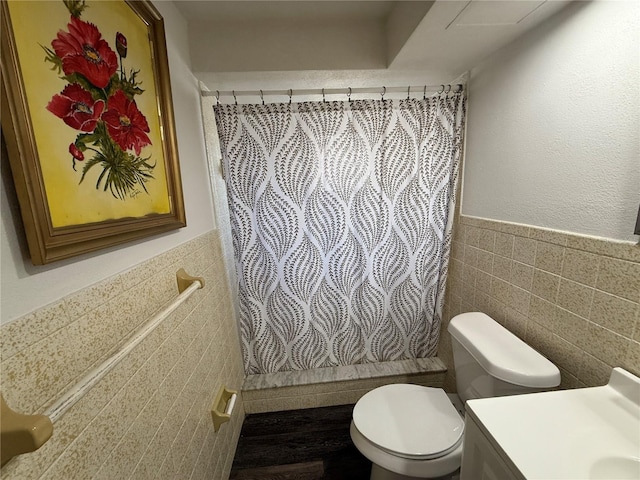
26	433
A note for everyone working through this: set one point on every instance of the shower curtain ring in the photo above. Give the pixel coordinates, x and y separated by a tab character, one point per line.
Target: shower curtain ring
234	97
460	87
349	95
424	93
409	92
290	95
449	90
217	97
323	99
262	97
441	91
384	90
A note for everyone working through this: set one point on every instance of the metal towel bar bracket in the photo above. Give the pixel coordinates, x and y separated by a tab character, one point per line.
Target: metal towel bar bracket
22	433
185	280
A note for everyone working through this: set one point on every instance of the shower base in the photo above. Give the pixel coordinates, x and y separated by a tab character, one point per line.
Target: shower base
321	387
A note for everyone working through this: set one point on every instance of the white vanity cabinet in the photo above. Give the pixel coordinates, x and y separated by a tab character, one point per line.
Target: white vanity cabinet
480	458
580	434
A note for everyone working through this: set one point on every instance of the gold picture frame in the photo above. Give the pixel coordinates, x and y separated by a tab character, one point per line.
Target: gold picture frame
87	117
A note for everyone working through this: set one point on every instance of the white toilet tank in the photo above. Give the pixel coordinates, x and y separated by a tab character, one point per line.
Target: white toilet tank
490	361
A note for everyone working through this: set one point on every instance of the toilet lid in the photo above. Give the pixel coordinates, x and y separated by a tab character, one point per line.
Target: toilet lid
409	421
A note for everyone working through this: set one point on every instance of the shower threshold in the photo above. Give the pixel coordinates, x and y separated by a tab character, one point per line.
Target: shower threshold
319	387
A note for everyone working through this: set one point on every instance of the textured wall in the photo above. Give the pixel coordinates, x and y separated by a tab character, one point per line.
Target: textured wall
149	417
553	134
573	298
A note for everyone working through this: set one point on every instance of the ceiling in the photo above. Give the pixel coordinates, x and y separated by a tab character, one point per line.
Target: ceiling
447	37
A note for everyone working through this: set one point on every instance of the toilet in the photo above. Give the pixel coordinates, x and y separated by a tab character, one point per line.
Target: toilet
410	431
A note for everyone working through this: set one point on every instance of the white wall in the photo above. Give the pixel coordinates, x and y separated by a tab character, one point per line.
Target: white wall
283	45
553	136
26	287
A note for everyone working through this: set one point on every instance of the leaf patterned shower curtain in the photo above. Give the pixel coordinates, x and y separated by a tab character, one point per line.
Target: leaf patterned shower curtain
341	216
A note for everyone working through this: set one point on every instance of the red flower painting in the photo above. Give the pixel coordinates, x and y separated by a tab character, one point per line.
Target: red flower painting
82	50
77	108
98	103
126	125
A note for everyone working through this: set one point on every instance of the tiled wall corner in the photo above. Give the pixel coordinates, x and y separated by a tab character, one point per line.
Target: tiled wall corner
574	298
150	416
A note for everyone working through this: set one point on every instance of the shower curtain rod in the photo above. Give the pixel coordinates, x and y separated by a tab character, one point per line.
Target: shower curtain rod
338	91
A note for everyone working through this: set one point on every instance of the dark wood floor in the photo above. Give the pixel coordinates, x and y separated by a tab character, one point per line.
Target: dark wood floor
305	444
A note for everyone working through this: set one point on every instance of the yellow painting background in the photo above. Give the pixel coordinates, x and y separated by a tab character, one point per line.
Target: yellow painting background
37	23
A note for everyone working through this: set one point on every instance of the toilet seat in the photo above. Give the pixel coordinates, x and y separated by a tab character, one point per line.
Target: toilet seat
409	421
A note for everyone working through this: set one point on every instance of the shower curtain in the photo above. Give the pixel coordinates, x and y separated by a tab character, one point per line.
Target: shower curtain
341	215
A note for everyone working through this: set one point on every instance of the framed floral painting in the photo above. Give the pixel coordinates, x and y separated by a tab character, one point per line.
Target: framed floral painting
87	118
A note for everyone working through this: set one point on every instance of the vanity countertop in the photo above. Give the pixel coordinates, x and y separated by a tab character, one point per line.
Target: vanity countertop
587	433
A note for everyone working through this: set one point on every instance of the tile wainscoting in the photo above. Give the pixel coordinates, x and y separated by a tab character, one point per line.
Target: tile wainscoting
574	298
150	416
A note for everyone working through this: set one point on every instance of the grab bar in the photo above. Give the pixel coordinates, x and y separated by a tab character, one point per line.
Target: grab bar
186	286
